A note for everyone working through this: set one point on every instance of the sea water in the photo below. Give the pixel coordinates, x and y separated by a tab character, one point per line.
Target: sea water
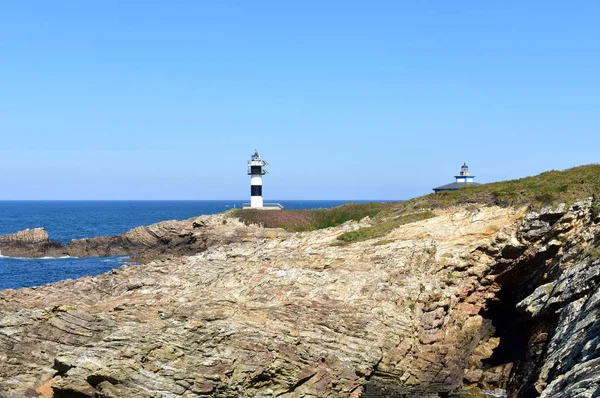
66	220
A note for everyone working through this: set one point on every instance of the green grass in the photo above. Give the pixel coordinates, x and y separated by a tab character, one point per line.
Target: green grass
595	209
383	226
383	242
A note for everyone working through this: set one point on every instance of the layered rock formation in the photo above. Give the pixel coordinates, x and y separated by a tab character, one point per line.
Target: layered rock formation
487	297
166	237
29	243
28	236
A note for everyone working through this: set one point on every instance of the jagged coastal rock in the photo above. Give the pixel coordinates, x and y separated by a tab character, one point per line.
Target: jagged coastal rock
166	237
28	243
28	236
479	296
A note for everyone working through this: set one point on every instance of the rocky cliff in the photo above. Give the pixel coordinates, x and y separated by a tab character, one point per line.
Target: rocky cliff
484	297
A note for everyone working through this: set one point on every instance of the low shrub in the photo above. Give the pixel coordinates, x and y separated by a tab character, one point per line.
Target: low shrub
383	242
308	220
595	208
384	227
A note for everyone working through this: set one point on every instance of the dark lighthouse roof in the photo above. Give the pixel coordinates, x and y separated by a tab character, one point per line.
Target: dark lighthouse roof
455	185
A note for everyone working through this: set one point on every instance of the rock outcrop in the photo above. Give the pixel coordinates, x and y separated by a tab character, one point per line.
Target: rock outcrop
146	242
28	243
26	237
484	297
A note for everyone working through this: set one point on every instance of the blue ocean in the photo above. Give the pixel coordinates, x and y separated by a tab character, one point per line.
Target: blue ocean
66	220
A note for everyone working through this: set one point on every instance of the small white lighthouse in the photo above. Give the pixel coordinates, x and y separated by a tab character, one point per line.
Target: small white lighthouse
256	171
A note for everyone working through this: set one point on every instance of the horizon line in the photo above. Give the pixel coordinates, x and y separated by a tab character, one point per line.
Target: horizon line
192	200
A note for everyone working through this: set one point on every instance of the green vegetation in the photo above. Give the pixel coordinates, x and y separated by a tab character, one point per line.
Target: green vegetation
383	242
308	220
548	188
383	226
595	208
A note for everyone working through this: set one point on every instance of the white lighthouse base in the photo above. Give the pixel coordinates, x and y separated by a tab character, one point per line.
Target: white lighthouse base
256	201
265	206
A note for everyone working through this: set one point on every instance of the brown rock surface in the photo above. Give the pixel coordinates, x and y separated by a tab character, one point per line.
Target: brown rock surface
28	236
147	242
27	243
295	316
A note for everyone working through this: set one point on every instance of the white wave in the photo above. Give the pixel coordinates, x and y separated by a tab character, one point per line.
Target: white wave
36	258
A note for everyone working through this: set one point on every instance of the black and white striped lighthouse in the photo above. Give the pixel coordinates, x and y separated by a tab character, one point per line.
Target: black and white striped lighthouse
256	171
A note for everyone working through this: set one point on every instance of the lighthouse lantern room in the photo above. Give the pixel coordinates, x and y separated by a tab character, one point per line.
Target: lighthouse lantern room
465	174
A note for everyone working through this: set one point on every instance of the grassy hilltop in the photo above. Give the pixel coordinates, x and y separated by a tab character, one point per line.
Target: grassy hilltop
544	189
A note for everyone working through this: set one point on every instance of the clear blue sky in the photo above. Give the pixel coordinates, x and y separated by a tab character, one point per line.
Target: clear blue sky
345	99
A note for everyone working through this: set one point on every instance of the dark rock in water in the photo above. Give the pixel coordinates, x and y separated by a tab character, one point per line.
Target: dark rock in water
146	242
98	246
30	243
28	236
